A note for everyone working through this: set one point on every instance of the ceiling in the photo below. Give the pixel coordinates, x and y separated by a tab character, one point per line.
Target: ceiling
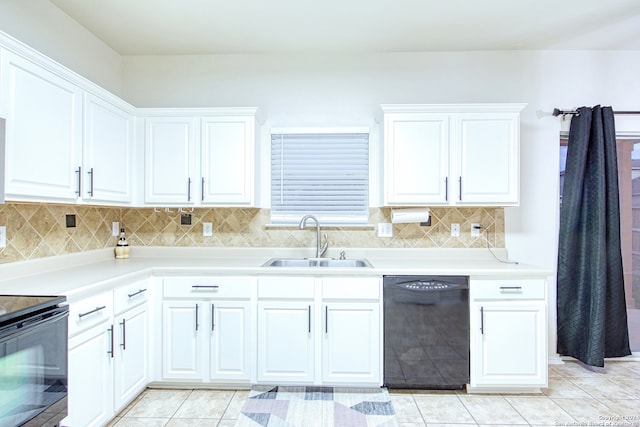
159	27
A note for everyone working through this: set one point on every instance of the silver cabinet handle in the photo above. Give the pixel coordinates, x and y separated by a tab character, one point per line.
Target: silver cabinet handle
205	286
81	315
110	330
202	190
213	319
189	190
326	319
309	320
79	190
124	334
446	188
482	320
90	192
510	288
460	188
138	292
197	317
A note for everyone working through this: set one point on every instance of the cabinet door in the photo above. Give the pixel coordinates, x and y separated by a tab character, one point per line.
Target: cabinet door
416	158
285	342
90	399
43	132
181	342
227	161
169	160
107	152
509	345
351	343
230	343
131	355
488	151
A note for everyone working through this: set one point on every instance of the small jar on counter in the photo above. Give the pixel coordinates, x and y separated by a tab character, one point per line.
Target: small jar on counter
122	247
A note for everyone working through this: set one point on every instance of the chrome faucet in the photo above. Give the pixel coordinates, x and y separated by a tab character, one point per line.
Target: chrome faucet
320	249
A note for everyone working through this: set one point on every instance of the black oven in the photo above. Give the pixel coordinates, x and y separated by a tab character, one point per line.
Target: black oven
33	360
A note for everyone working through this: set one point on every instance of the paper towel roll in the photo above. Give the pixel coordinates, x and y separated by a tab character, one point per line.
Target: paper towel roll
407	215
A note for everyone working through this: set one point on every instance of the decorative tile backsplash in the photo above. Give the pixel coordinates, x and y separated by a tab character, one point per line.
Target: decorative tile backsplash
36	230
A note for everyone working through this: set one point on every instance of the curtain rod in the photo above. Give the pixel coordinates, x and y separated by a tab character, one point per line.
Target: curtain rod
557	112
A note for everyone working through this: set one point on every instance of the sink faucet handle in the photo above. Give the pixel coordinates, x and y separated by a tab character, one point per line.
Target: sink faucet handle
342	255
325	245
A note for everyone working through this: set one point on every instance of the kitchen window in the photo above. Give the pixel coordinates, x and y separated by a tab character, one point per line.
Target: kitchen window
318	173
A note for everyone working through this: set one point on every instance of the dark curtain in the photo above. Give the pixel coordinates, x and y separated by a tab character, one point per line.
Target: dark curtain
592	315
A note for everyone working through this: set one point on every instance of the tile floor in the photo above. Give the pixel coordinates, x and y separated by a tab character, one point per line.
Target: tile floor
577	396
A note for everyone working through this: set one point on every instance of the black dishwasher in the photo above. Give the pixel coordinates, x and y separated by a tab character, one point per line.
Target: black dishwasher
426	332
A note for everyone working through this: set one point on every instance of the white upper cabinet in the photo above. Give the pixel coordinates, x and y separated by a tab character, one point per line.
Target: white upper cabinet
416	157
488	158
170	160
63	144
197	159
227	162
465	154
107	152
44	132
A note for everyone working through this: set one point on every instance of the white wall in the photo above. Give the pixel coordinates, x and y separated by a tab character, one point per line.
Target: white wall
45	28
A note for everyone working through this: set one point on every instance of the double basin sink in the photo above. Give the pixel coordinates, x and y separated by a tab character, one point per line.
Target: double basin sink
318	262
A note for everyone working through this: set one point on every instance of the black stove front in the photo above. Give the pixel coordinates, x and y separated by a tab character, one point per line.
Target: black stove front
33	360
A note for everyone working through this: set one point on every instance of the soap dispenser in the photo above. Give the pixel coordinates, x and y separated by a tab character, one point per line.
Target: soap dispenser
122	247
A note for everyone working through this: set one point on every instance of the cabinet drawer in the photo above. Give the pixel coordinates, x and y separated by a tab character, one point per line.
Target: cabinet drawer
130	296
351	288
286	287
90	312
208	287
517	289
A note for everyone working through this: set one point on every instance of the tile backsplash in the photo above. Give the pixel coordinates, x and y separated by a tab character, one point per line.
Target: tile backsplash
36	230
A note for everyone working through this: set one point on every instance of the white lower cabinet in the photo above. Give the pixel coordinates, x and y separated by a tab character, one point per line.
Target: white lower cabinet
230	344
131	370
90	398
319	330
286	333
180	346
351	343
508	335
207	329
108	356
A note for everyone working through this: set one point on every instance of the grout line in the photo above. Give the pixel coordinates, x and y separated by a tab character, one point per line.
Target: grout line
227	408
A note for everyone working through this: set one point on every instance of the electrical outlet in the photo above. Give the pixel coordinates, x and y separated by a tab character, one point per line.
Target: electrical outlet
475	230
207	229
385	229
455	230
115	228
3	236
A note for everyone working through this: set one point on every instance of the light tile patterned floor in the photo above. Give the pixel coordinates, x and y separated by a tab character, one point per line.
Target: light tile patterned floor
577	395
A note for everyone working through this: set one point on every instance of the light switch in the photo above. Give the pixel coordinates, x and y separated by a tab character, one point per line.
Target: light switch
115	228
207	229
3	236
455	230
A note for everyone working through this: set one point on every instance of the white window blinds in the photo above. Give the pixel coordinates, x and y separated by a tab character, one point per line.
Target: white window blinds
323	174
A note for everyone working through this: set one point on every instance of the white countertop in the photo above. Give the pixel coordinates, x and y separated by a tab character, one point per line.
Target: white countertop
78	275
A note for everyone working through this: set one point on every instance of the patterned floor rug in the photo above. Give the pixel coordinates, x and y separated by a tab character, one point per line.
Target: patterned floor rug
284	406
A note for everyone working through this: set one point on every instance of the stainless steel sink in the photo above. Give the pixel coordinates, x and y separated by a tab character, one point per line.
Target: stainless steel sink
317	262
344	263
